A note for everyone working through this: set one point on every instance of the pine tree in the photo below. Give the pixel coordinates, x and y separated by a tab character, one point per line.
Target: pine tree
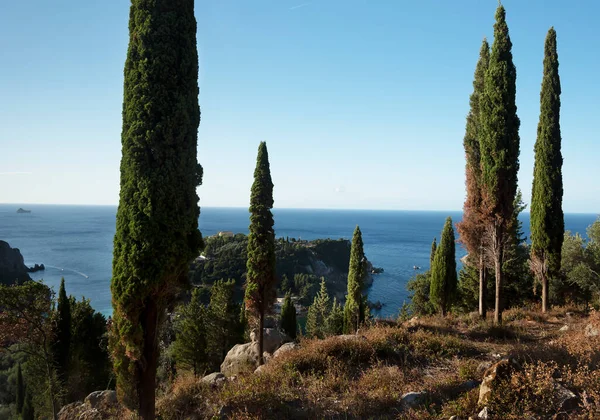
432	253
499	142
288	317
443	273
334	324
319	311
157	232
28	412
20	390
354	307
62	332
471	226
260	279
222	322
547	218
190	346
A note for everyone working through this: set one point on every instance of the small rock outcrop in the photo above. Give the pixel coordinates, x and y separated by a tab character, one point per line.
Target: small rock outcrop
242	358
567	399
214	379
413	399
592	330
284	349
496	373
99	405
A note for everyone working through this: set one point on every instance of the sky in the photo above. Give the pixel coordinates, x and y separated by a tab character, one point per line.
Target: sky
362	103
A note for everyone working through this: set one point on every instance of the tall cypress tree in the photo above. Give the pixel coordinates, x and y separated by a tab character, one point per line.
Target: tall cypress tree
432	253
499	143
260	279
471	226
288	316
547	218
28	412
62	332
157	232
20	390
443	272
354	308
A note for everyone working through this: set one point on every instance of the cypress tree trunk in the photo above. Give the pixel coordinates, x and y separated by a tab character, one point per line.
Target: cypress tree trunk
147	381
498	261
482	287
261	334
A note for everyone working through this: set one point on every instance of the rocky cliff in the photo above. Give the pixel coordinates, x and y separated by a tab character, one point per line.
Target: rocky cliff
12	267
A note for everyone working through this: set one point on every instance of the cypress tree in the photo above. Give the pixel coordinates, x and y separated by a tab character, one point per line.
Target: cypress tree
157	232
547	218
260	279
443	273
432	253
334	324
28	412
190	346
470	228
499	145
62	332
288	316
20	390
354	307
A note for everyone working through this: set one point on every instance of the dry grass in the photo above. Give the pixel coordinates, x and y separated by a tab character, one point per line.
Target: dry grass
366	376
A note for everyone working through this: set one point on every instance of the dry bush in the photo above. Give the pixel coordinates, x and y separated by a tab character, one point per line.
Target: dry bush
187	396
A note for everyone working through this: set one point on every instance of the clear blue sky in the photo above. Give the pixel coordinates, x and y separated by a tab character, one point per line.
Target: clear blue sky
362	103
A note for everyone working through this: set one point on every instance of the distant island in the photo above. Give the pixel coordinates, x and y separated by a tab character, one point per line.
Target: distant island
22	210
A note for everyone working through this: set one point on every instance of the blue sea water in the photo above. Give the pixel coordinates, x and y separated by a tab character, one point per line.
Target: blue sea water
75	242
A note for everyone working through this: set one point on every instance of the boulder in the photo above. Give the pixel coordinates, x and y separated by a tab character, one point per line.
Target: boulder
592	330
564	328
259	369
567	399
101	399
499	371
272	339
413	399
242	358
484	414
214	379
285	348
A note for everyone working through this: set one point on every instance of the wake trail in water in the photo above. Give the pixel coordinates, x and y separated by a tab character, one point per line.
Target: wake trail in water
69	269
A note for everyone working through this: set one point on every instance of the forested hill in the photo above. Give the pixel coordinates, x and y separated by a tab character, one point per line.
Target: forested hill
300	264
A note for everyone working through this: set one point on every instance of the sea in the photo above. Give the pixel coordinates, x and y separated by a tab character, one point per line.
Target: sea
75	242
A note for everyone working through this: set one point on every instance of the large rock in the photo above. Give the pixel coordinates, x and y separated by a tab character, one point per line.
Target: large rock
498	372
567	399
284	349
99	405
272	339
242	358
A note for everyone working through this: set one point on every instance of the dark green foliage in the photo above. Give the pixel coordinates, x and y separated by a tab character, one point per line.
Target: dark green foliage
20	391
419	287
260	277
547	218
286	284
28	411
432	253
157	219
243	324
190	346
499	146
354	308
334	324
223	329
62	332
89	368
288	317
318	313
443	273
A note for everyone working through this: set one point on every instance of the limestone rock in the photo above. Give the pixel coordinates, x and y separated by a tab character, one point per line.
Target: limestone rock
272	339
101	398
413	399
499	371
214	379
12	268
564	328
242	358
285	348
592	330
567	399
483	414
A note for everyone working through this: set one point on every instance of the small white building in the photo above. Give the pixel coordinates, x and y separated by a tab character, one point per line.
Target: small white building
225	234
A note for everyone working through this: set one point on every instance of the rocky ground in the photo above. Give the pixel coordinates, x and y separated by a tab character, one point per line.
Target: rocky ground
534	367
